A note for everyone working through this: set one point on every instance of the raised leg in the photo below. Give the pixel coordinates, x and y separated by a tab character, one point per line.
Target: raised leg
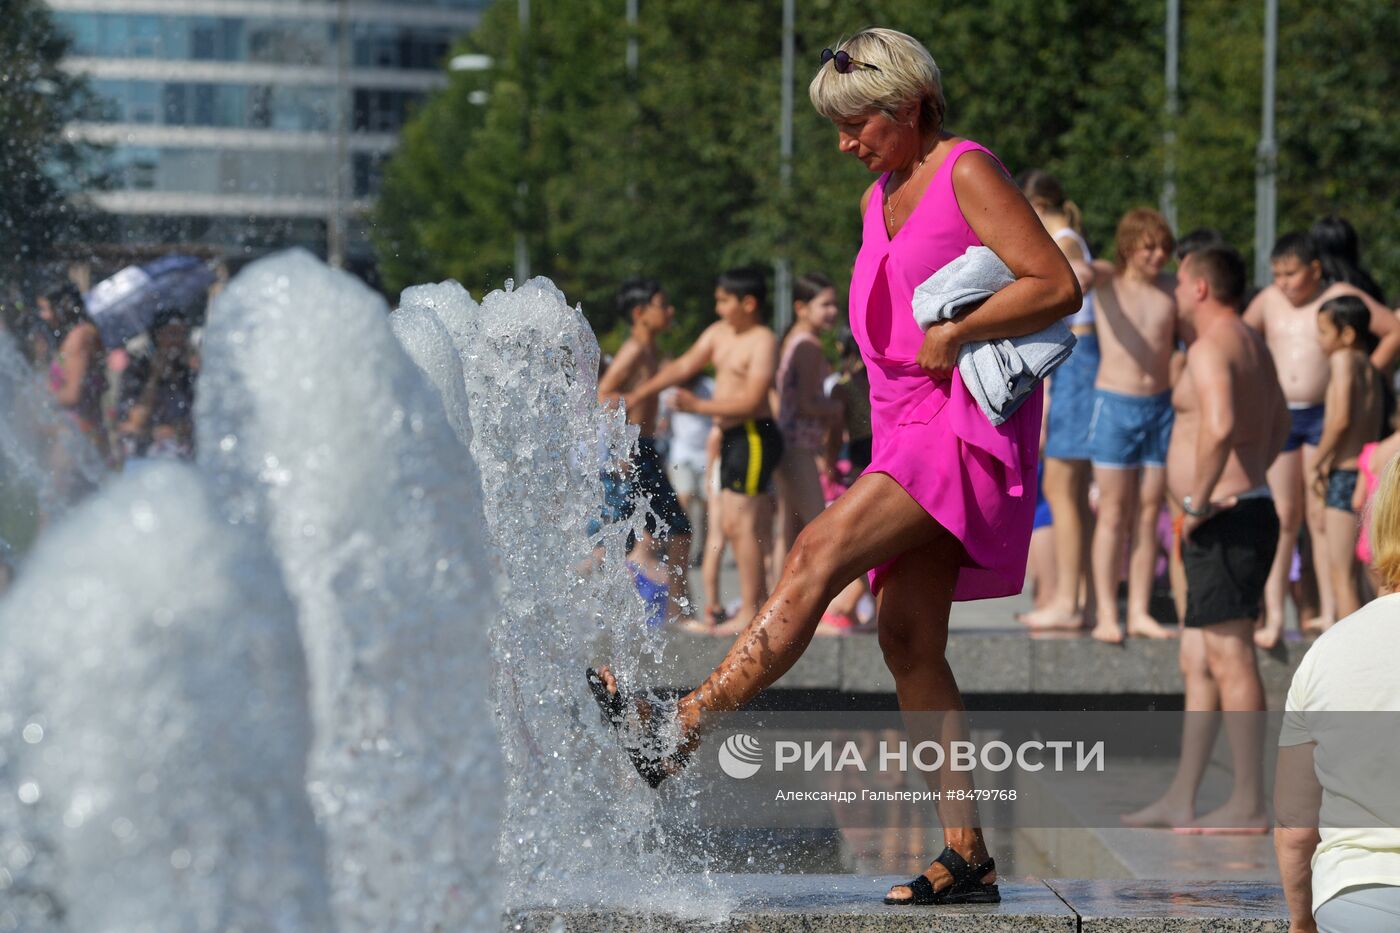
1286	485
1118	491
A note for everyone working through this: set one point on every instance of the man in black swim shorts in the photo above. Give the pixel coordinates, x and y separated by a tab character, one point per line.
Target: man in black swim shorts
1231	422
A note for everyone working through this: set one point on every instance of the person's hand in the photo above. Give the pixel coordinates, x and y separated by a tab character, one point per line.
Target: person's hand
939	354
629	400
684	400
1189	522
1319	481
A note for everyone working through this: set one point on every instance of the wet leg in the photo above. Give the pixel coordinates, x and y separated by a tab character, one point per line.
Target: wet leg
1118	492
1286	485
1142	565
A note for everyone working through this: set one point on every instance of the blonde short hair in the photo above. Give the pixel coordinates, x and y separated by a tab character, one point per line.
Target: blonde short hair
907	75
1385	526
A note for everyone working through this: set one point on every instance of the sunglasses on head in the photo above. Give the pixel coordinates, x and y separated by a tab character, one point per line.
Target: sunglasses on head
844	62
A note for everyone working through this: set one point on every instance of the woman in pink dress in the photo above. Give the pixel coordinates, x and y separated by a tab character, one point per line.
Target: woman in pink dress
944	510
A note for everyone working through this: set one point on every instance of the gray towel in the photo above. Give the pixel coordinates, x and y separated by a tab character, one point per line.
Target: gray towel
1000	374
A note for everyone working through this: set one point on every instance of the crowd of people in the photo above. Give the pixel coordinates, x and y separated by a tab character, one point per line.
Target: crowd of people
745	460
749	456
132	401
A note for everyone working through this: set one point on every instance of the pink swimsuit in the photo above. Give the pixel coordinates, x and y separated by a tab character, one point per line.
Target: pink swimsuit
930	436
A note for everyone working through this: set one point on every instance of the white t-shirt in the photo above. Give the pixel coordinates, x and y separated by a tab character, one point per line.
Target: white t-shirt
1354	667
689	431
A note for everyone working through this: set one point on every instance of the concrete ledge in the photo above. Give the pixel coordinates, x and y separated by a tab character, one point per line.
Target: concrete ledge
848	903
1002	661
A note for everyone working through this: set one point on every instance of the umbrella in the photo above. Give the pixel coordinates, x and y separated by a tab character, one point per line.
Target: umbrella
129	302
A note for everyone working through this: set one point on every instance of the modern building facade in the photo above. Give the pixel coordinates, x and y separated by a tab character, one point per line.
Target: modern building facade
248	125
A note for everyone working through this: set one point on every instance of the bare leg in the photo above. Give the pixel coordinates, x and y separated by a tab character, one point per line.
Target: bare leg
1286	486
1317	531
1175	568
1341	552
874	522
677	552
1230	653
913	618
1042	566
1142	566
800	500
714	557
1067	491
1199	727
748	524
1117	504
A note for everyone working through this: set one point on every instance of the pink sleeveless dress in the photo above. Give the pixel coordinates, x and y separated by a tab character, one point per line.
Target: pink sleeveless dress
976	480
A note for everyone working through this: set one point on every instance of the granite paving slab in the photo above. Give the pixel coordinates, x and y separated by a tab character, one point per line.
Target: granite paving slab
811	903
986	660
1174	906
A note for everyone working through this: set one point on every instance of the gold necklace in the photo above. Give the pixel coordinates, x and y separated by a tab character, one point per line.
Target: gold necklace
892	203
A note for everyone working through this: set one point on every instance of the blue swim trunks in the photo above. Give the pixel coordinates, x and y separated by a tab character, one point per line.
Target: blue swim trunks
1130	431
1306	427
1071	402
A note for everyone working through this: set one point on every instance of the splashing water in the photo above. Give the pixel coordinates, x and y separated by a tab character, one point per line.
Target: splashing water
317	426
576	809
156	733
380	471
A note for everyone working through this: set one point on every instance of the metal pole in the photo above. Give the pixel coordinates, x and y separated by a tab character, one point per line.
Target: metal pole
1173	108
1266	161
632	39
782	268
336	230
522	245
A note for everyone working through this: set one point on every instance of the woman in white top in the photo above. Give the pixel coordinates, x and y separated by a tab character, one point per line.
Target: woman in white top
1335	797
1069	402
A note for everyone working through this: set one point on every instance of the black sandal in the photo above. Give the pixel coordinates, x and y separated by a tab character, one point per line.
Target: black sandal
647	756
967	886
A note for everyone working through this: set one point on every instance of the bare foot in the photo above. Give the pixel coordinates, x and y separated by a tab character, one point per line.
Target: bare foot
1144	626
1228	820
1164	814
1317	625
1269	634
938	875
1051	618
1108	632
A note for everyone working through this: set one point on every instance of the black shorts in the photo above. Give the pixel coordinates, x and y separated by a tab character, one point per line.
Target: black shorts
749	453
1227	561
647	478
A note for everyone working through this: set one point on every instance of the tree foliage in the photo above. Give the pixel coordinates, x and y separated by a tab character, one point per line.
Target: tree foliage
674	171
41	172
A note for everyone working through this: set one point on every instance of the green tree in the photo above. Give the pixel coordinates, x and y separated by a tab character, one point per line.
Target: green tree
674	172
41	172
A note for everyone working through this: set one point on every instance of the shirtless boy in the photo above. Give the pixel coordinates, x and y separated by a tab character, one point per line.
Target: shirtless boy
1136	323
1286	314
643	302
744	352
1351	421
1231	421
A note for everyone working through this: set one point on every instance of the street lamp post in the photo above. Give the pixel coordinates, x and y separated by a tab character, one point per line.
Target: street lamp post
782	266
1173	105
1266	159
336	230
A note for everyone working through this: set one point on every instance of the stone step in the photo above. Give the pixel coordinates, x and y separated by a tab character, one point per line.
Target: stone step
990	661
852	904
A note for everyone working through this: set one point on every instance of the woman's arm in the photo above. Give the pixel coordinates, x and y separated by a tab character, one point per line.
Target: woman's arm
1045	289
1297	802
